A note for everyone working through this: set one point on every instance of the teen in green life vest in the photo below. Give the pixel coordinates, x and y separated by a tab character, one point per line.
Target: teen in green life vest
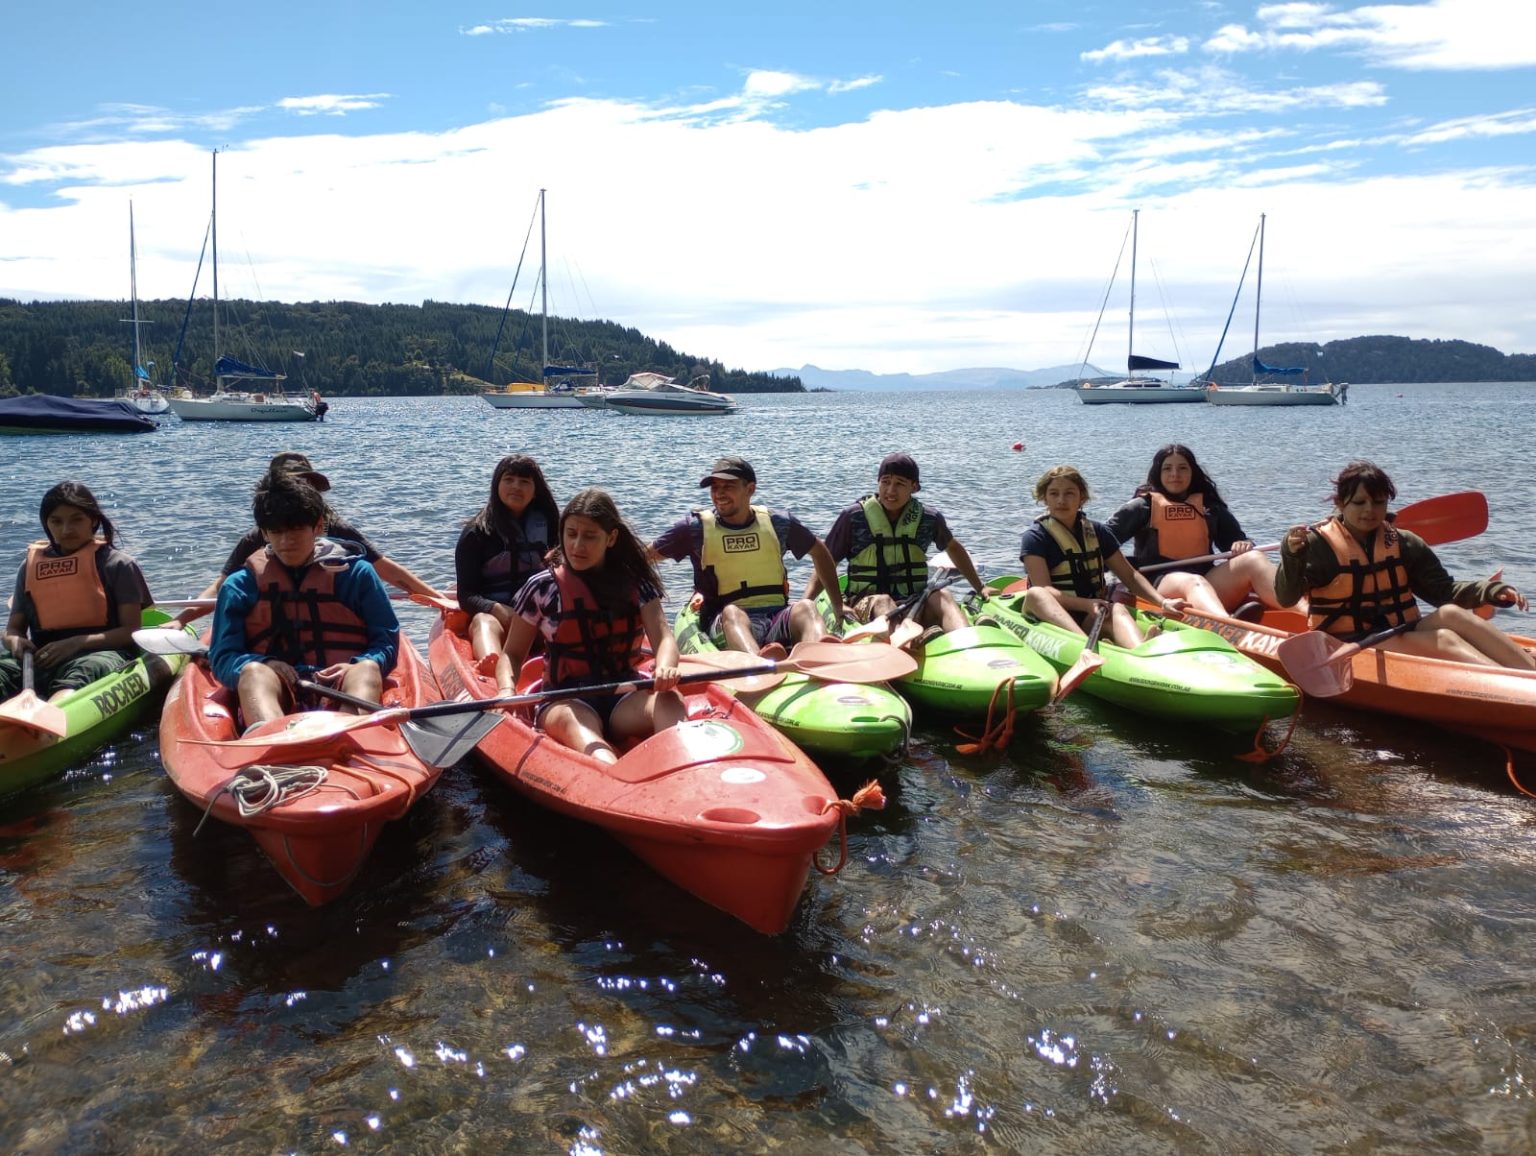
885	538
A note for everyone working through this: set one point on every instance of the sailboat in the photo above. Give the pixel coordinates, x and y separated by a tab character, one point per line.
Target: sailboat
559	389
144	395
1136	388
1268	391
241	392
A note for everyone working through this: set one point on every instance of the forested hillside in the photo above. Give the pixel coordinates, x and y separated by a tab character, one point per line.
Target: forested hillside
1364	360
84	347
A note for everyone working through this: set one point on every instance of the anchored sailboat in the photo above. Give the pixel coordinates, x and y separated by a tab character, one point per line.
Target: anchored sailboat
561	382
1267	391
1135	388
144	395
241	392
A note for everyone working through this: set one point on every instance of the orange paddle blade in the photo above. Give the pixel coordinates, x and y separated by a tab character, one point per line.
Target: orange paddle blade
1320	664
754	682
1087	662
1447	518
29	711
839	662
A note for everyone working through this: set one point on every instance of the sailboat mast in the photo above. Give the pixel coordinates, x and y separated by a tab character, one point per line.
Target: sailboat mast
544	291
1258	300
1130	350
133	289
214	227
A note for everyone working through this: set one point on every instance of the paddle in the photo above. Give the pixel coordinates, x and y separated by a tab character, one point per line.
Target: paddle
436	742
27	710
1320	663
1447	518
825	661
206	605
1088	661
884	626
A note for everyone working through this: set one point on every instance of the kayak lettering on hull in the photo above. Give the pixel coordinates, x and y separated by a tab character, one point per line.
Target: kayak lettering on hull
130	689
1044	645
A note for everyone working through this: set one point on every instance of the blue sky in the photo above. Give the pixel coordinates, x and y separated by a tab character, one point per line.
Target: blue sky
893	187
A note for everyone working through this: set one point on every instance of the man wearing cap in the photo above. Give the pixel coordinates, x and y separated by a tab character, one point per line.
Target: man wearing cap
885	538
737	550
297	465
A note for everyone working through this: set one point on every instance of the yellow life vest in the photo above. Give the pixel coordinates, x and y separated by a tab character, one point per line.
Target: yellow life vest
895	562
747	562
1081	569
1367	594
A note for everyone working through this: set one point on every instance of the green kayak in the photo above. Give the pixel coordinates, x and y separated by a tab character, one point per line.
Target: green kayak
841	719
1182	674
958	673
95	714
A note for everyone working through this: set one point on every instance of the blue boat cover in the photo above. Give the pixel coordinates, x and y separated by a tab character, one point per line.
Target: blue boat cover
229	367
1260	367
141	373
1134	362
44	412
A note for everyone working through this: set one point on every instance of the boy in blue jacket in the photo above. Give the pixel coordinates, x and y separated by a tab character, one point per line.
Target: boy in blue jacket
304	606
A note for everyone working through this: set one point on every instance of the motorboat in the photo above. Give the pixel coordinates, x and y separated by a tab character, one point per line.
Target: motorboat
656	393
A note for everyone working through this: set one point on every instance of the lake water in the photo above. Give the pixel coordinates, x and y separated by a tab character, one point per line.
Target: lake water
1114	937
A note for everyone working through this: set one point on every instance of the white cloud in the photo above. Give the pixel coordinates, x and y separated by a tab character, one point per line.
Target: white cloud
516	24
921	239
331	104
1441	34
1133	49
853	85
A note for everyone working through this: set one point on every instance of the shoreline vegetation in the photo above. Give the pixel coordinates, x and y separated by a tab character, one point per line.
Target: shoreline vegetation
349	349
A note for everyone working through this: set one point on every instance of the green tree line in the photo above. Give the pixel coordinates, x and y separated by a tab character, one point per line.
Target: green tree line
349	349
1368	360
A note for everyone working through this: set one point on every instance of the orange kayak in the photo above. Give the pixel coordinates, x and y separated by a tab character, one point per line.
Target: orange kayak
1491	702
722	804
360	778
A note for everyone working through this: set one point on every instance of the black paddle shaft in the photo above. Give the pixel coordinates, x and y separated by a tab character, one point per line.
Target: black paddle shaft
442	708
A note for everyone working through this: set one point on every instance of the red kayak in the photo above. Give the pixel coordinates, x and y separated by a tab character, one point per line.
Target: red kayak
722	804
1491	702
315	788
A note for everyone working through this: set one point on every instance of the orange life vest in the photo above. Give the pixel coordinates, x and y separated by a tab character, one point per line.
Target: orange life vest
303	623
1367	594
1182	528
67	593
590	645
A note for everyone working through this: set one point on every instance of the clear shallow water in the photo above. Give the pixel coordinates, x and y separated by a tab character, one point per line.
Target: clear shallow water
1115	937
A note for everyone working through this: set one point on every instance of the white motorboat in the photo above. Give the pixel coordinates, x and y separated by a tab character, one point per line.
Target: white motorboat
1262	388
655	393
241	392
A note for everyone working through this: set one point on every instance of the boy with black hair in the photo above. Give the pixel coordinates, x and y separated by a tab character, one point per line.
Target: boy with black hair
303	606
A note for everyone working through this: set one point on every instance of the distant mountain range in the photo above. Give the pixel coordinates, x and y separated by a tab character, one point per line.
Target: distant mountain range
1358	360
814	377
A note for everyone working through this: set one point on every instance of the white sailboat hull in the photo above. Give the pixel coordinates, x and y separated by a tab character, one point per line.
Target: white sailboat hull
242	407
1137	393
532	399
1271	395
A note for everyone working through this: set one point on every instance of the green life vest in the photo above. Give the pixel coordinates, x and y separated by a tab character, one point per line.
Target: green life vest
895	562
